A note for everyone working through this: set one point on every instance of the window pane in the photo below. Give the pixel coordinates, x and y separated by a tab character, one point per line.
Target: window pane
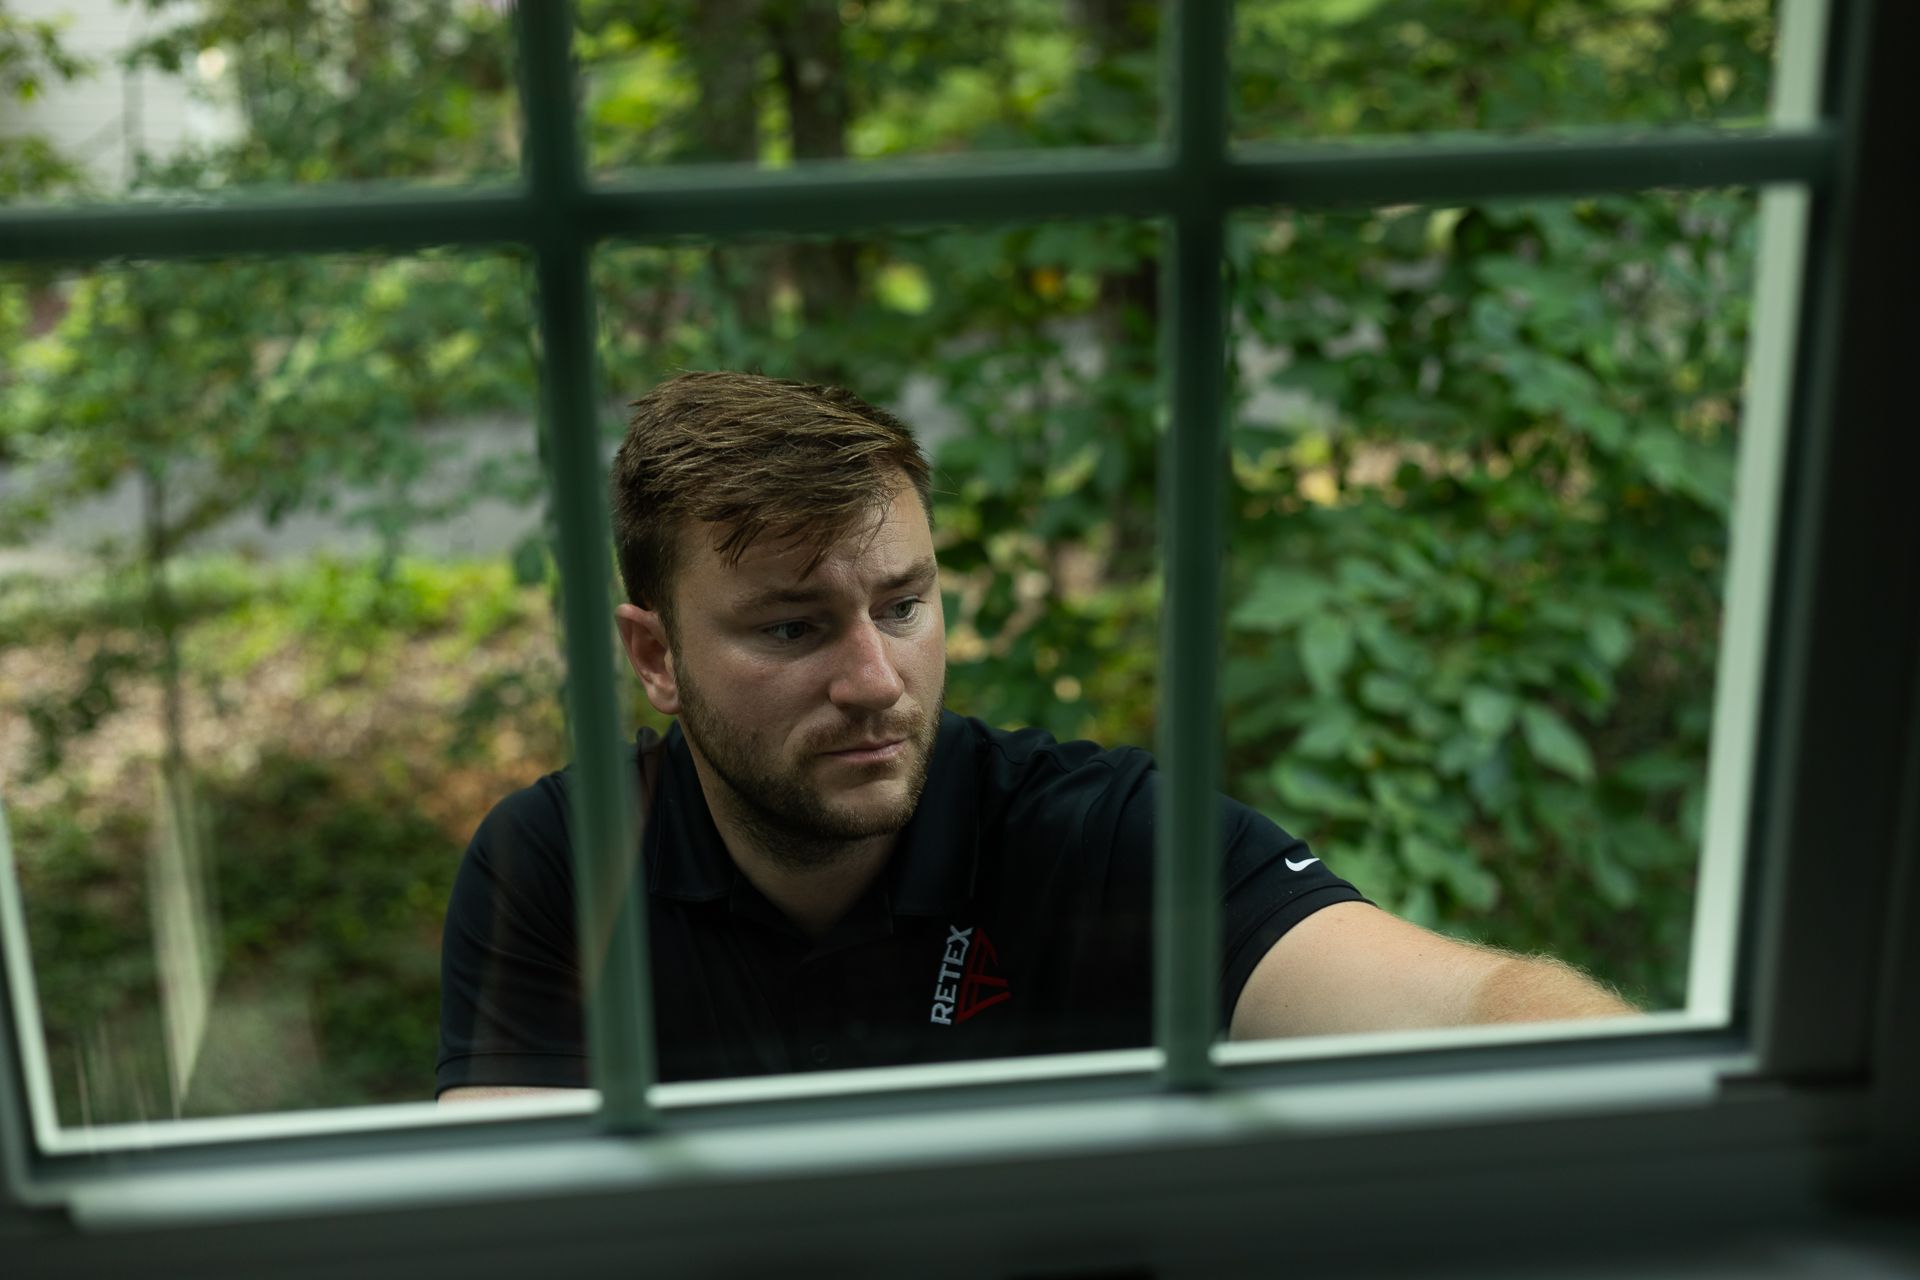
1344	68
99	98
279	631
1483	462
772	82
998	912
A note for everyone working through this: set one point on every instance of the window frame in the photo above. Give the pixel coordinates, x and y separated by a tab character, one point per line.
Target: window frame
1791	1094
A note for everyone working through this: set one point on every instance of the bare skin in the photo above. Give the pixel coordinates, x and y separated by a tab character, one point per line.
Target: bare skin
780	682
1353	967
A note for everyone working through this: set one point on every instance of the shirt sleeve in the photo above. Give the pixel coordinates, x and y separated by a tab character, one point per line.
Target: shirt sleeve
509	972
1271	883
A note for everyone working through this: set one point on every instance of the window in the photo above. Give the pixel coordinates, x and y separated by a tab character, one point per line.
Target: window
285	420
1791	1040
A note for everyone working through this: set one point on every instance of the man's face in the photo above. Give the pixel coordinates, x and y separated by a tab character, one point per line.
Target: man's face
811	703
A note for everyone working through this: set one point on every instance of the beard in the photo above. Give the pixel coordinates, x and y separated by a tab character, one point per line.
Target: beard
783	812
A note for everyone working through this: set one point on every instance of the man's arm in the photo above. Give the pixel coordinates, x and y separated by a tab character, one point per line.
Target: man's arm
1353	967
510	1020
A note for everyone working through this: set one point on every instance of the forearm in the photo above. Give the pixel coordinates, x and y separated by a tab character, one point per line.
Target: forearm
1536	988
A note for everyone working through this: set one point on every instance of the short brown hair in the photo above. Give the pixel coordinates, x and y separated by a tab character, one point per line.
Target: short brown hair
755	457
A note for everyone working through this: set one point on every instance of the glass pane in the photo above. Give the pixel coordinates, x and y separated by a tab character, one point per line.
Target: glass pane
1483	462
811	907
1368	68
100	98
773	82
279	631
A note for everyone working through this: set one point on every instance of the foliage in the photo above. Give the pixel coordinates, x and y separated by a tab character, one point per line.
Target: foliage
329	885
331	830
263	385
1482	456
1496	597
1484	475
332	92
1314	68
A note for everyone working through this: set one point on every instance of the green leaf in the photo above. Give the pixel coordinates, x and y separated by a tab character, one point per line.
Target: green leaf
1488	712
1365	578
1329	736
1071	476
1311	790
1648	846
1279	600
530	560
1326	651
1385	693
1549	385
1680	465
1617	885
1322	379
1369	868
1554	743
1388	647
1419	907
1657	771
1693	814
1253	721
1494	321
1430	861
1611	638
1461	752
1422	856
1407	795
1475	887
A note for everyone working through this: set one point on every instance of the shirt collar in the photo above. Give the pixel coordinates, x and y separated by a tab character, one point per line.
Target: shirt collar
930	873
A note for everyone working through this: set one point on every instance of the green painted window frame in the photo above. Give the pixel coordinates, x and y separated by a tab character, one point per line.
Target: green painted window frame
1788	1012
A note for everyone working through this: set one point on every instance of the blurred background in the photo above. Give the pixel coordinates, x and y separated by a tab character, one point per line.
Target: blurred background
277	613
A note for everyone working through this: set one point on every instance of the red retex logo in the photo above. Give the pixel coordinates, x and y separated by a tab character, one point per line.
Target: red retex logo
968	981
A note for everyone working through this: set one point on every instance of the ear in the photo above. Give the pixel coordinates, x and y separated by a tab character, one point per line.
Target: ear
644	636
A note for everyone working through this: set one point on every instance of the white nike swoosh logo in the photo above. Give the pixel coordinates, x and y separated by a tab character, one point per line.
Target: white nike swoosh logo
1299	866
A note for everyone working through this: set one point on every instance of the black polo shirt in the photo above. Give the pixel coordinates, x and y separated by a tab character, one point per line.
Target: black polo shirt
1014	917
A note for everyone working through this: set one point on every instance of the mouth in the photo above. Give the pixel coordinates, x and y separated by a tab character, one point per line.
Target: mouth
870	752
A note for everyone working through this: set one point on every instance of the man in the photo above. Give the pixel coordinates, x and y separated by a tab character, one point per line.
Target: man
838	871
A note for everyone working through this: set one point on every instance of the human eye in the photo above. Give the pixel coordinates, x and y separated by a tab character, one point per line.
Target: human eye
787	633
904	610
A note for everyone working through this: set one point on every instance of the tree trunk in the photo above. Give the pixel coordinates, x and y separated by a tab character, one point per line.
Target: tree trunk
1109	25
726	49
726	66
813	71
813	74
1128	304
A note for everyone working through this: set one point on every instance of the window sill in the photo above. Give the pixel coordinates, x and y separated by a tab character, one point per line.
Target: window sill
1453	1116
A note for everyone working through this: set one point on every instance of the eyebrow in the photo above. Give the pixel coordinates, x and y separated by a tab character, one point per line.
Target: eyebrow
918	571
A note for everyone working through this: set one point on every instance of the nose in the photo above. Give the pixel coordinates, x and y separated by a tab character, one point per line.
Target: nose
865	677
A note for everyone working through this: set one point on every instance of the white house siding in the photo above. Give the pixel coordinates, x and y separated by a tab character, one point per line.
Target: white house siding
109	117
